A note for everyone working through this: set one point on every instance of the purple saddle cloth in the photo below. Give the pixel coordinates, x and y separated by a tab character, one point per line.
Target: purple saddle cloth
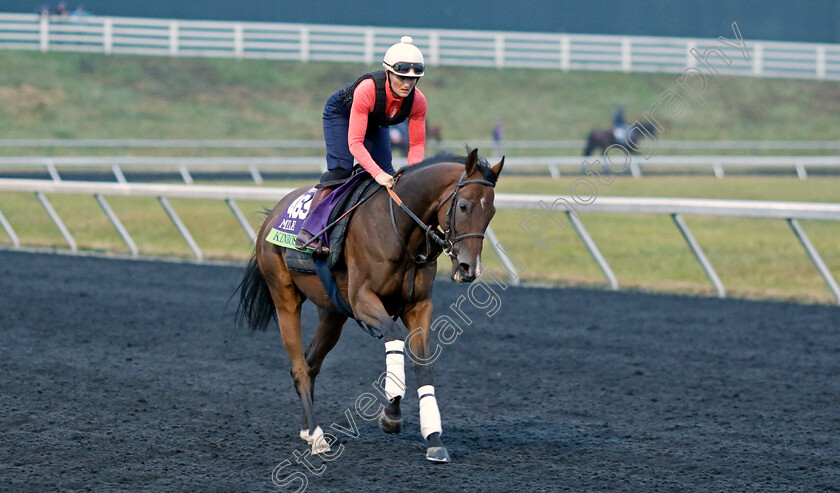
298	214
319	217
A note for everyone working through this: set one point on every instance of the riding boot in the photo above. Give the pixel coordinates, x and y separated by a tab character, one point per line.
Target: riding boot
304	236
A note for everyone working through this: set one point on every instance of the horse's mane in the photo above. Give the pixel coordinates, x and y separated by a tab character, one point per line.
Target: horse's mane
448	157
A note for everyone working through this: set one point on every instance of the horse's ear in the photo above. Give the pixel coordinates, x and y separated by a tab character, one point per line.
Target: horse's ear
472	162
498	168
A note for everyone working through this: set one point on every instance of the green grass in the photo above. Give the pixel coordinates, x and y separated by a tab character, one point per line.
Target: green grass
78	96
68	95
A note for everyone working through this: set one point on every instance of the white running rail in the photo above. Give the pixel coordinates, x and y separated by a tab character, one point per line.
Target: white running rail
498	49
256	165
559	206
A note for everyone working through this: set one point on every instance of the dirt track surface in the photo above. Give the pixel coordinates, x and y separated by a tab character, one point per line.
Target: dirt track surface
131	376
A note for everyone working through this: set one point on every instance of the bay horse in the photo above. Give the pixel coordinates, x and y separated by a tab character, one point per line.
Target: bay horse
382	278
604	138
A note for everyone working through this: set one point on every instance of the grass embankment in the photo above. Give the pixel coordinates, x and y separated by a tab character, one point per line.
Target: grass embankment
93	96
67	95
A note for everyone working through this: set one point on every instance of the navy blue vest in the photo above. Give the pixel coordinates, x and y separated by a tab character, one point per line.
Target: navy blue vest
378	118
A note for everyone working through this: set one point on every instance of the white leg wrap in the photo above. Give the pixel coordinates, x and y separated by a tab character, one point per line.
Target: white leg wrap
429	412
395	365
316	440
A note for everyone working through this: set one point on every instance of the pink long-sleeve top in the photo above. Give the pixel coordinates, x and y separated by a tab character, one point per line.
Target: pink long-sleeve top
364	99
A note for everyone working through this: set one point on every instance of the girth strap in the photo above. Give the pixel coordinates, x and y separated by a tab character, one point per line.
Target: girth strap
327	279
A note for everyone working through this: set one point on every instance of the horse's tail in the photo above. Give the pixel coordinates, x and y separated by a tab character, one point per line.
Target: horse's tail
256	308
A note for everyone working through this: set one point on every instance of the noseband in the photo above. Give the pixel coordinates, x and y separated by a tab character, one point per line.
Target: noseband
444	239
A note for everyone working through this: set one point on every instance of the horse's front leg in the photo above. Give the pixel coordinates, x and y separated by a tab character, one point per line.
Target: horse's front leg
369	309
418	319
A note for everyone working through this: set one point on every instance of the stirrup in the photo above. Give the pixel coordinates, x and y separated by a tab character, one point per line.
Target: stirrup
319	249
303	237
316	245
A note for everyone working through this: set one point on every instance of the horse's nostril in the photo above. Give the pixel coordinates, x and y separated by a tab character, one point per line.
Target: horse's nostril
466	268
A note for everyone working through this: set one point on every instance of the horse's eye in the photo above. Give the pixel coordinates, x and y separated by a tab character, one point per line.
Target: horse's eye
463	207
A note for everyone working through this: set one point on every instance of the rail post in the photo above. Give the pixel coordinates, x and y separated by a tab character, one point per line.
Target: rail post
57	221
117	224
699	255
814	255
185	233
44	38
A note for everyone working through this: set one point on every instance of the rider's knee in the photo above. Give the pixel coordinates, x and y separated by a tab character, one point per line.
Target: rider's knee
335	174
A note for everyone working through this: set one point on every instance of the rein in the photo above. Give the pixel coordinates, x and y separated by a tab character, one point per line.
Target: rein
444	239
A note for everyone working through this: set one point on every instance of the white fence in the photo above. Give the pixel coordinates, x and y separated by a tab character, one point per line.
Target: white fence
246	40
318	144
792	212
574	164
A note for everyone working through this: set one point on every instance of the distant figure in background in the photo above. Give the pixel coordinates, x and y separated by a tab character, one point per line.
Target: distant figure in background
80	12
399	137
621	134
498	138
434	133
44	10
619	125
61	9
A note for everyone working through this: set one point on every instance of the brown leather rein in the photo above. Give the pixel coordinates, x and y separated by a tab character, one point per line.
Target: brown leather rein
444	239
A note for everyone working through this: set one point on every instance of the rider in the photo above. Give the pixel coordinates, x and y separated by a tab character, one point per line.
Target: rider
356	120
619	125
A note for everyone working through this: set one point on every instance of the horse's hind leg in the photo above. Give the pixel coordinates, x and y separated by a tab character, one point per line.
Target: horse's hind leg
288	300
329	330
289	321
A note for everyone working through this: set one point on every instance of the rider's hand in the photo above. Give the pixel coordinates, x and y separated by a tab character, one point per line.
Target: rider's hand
385	179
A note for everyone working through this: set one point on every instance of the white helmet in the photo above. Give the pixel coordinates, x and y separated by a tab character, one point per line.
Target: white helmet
404	59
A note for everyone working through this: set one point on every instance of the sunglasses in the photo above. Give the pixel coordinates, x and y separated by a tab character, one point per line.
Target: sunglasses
405	67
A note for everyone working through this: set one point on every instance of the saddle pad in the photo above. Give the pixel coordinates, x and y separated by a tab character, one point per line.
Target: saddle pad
285	230
302	261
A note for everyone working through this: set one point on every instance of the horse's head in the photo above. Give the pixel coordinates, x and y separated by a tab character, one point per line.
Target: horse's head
465	214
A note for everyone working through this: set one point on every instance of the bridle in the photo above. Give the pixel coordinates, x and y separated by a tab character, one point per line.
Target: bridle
445	239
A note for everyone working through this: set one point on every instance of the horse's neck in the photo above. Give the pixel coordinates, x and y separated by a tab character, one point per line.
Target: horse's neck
421	191
426	188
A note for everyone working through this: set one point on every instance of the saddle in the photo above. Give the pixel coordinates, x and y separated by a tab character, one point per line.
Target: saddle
302	261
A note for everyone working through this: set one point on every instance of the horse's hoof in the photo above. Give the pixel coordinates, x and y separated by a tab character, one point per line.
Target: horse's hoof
320	446
316	440
438	455
389	425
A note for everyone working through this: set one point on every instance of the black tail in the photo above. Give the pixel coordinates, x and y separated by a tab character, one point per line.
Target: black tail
256	308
